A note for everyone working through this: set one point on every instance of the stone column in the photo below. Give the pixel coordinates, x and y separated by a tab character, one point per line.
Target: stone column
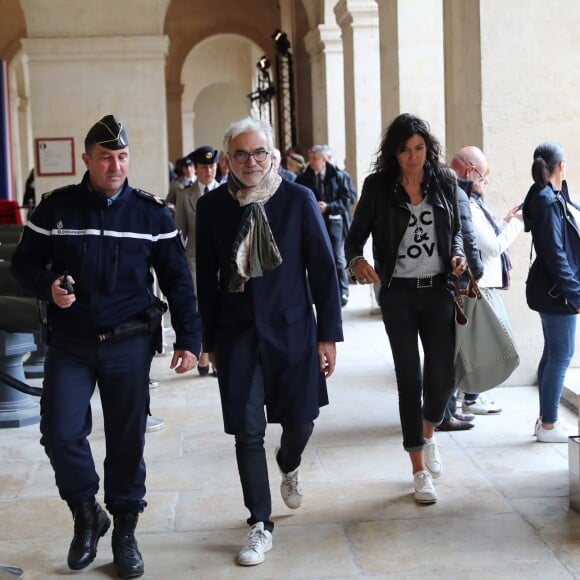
188	129
76	81
412	61
324	46
506	91
359	22
174	120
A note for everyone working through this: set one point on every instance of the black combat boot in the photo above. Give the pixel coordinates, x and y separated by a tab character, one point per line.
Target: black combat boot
126	555
91	523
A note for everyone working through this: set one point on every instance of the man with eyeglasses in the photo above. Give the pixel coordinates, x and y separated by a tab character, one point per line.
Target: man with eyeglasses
270	308
89	250
493	237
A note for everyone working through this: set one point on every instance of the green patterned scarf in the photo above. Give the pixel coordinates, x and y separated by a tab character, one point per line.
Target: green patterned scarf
254	248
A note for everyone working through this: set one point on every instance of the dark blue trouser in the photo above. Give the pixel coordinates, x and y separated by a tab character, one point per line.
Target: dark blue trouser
410	314
251	456
121	369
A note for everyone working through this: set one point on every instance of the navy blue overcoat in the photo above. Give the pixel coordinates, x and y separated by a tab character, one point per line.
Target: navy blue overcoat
280	317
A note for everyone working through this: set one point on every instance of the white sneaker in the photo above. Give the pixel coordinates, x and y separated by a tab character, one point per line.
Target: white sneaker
433	460
290	487
154	424
481	406
559	434
537	426
258	543
424	488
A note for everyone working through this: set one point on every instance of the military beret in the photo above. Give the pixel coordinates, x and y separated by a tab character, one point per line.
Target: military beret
205	155
109	133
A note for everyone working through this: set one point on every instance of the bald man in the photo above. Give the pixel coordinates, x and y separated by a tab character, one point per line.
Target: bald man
493	239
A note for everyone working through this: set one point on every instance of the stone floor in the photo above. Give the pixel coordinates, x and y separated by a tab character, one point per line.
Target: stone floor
502	510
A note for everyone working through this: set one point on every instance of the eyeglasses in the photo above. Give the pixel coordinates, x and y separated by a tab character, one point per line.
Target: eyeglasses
242	156
482	177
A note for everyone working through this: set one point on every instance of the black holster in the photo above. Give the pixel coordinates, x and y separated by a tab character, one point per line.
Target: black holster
154	316
150	322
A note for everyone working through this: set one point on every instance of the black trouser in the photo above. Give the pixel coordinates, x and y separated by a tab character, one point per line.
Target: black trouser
411	313
251	456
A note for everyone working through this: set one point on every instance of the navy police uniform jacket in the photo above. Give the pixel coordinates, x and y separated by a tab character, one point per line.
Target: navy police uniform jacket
109	251
553	284
272	321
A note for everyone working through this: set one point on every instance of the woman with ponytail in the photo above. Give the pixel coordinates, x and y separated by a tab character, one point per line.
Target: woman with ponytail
553	284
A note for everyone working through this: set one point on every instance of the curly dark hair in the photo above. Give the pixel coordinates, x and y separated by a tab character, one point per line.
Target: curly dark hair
401	129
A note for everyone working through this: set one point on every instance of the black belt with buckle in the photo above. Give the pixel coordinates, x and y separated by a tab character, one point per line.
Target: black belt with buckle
420	283
123	330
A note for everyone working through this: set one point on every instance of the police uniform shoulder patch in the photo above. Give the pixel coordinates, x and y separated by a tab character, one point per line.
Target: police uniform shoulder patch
59	191
150	196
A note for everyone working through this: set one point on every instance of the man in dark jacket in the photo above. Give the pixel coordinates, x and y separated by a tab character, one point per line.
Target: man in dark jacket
88	250
333	195
263	260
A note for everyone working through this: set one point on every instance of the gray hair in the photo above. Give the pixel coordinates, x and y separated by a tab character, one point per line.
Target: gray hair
322	150
248	124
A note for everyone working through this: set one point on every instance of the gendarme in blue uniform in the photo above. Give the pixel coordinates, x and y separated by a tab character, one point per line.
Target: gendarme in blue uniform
109	238
109	251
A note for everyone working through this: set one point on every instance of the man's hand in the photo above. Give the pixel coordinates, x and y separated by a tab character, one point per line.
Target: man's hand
183	361
60	296
514	212
327	357
322	205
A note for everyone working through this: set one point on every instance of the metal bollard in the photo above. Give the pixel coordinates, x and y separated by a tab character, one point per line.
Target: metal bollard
16	409
11	573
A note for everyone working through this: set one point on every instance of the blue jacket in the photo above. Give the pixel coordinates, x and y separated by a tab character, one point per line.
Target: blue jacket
553	284
109	250
272	321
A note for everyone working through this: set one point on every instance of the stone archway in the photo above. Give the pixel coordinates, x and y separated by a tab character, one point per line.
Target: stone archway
224	66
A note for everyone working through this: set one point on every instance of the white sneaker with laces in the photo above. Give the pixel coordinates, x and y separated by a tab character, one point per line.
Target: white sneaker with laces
480	406
291	486
424	488
258	543
559	434
433	459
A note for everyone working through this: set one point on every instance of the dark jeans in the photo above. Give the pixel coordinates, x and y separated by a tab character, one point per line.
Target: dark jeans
121	369
410	314
251	456
336	233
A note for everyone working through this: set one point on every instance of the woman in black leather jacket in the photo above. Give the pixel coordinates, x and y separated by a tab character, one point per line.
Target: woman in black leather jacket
409	207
